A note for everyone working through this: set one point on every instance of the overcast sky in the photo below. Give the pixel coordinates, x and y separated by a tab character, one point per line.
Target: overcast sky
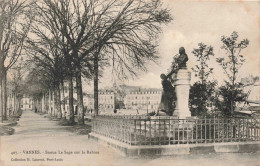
203	21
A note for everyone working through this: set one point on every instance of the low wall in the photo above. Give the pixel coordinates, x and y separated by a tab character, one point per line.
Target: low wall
128	150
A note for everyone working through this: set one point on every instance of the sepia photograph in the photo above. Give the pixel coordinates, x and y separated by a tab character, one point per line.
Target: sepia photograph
129	82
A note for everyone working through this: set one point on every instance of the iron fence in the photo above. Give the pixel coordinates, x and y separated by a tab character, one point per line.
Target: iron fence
158	130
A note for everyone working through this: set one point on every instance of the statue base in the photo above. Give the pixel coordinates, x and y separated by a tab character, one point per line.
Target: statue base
182	88
182	114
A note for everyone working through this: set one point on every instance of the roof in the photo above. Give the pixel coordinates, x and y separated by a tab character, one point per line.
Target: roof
149	90
247	112
253	101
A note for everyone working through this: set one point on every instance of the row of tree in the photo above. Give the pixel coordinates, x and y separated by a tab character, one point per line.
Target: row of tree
14	28
65	40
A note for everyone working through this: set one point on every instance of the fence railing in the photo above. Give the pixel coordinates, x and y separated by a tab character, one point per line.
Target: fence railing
145	130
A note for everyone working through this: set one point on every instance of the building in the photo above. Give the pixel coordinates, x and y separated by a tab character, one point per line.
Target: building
122	98
251	86
106	101
26	103
88	101
65	99
143	99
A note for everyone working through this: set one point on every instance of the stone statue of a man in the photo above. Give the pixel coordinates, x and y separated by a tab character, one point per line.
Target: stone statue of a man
180	60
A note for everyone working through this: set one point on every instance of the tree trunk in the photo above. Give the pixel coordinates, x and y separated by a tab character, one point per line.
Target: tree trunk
4	94
233	83
43	102
46	108
1	85
50	111
57	101
96	84
35	105
53	103
80	98
1	98
71	109
232	101
14	109
63	96
15	104
40	104
18	105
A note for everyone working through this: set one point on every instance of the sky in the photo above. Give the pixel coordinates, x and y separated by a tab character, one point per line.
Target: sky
202	21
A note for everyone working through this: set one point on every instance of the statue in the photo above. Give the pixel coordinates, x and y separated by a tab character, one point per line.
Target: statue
180	60
168	96
168	99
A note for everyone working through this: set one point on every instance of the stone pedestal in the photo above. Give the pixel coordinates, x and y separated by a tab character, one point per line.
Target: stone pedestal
182	88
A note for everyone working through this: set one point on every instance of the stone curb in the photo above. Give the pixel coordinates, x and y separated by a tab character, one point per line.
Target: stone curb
178	149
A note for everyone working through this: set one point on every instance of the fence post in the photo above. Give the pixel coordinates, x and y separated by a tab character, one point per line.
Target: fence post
196	123
178	131
145	132
150	131
169	132
214	130
135	132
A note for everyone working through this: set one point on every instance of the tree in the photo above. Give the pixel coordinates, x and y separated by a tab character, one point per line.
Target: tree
16	82
231	65
203	54
202	91
72	23
227	96
14	27
52	47
128	36
36	85
47	59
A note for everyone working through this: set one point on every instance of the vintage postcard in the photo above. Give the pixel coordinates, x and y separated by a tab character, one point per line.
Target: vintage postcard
129	82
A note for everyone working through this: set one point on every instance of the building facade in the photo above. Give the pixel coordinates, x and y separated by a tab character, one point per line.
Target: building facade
88	101
143	99
26	103
106	101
